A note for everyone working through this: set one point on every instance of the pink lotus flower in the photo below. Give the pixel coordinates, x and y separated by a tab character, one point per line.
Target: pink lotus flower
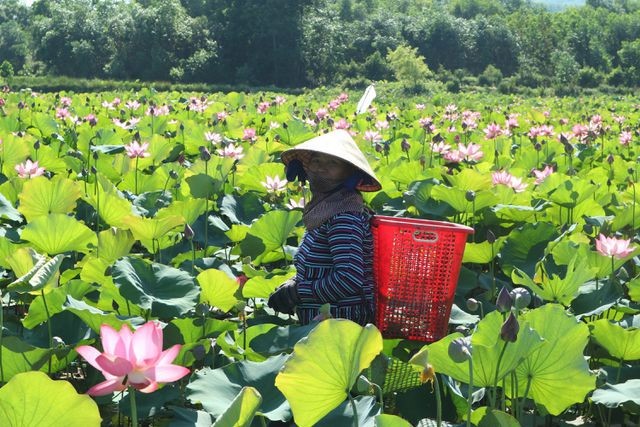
231	151
132	359
541	175
382	124
296	205
322	113
29	169
212	137
625	138
612	247
420	107
132	105
280	100
249	134
263	107
501	177
343	97
372	136
492	131
274	184
471	152
341	124
91	119
65	101
440	147
62	113
334	104
135	149
222	115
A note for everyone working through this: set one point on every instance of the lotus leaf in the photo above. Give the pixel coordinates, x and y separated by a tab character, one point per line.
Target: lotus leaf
316	380
26	401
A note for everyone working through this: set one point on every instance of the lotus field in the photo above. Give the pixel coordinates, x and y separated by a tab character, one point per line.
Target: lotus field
141	233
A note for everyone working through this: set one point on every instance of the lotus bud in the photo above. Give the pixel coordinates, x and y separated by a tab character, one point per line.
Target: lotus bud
537	146
521	298
36	145
504	301
378	147
423	161
510	329
115	305
21	105
205	155
491	238
405	145
285	126
460	349
473	304
199	352
173	174
188	232
94	170
470	196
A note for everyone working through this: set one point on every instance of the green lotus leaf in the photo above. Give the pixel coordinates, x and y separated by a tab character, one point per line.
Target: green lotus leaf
318	377
8	211
114	243
272	229
92	316
280	339
218	289
401	172
487	347
614	395
113	208
25	262
252	178
470	180
14	150
555	288
7	250
149	231
557	365
39	276
388	420
525	247
203	186
634	289
187	417
241	209
482	253
621	343
41	196
457	199
26	400
296	132
238	344
262	287
58	233
189	209
366	410
189	330
55	302
216	389
166	291
485	417
241	411
571	192
19	356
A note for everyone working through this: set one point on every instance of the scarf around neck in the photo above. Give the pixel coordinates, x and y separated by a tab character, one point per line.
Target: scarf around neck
325	205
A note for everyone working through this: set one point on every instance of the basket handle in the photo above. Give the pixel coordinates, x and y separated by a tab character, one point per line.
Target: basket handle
425	236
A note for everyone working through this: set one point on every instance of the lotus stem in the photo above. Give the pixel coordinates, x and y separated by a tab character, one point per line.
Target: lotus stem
438	401
355	410
470	396
1	330
524	398
136	177
134	408
495	381
46	310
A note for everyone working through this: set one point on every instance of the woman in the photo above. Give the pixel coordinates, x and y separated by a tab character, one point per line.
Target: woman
334	260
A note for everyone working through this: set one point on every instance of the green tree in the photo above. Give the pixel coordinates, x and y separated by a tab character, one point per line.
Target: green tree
407	65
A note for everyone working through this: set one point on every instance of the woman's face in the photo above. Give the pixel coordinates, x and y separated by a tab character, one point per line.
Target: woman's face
329	167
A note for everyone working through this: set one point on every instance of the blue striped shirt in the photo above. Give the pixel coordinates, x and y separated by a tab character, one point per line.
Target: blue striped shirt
334	265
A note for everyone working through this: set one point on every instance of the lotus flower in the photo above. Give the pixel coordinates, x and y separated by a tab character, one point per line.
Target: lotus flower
610	246
132	359
274	184
29	169
135	149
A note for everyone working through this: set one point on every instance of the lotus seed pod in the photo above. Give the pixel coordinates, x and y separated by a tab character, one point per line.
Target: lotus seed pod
504	301
521	298
510	329
460	349
473	304
470	196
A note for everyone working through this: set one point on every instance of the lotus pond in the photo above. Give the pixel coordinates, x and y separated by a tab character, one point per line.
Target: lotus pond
140	233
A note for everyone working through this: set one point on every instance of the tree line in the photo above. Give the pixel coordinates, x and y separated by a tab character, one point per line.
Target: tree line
310	43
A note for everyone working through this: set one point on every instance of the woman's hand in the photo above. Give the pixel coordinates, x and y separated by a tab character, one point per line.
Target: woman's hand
285	298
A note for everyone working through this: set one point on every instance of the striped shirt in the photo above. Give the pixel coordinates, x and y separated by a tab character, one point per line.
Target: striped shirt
334	265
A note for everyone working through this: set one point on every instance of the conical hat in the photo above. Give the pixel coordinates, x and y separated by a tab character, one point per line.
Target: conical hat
337	143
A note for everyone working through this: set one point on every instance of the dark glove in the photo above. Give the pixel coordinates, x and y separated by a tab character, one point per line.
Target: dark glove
294	169
285	298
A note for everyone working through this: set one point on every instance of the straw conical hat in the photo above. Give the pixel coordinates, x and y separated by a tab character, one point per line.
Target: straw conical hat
337	143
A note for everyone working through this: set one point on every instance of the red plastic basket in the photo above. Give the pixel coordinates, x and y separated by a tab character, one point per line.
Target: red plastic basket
416	263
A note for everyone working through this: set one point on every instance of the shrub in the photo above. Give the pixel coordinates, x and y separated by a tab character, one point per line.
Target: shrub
491	76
